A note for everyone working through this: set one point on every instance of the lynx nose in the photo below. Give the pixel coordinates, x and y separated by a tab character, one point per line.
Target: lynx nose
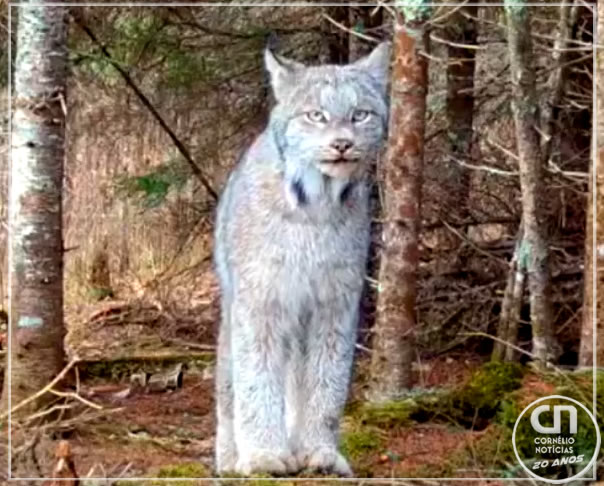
342	144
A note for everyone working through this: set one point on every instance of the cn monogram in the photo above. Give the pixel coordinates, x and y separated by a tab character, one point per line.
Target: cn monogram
556	428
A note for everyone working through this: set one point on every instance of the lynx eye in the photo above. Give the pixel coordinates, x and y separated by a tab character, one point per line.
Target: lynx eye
316	116
359	116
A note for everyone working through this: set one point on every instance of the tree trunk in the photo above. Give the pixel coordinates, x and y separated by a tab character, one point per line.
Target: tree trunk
393	339
556	80
534	247
460	105
595	249
511	307
36	266
517	300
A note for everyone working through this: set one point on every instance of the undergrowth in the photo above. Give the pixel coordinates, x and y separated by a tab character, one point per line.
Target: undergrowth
487	405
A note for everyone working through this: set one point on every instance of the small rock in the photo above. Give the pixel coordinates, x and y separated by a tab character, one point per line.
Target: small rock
139	380
170	380
208	373
125	393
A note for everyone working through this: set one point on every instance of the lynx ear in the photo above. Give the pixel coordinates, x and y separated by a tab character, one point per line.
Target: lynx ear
376	64
282	72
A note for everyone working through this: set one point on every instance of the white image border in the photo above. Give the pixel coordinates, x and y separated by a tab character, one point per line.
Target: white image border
589	4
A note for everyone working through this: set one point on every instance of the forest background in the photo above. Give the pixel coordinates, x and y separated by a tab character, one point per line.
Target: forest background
160	104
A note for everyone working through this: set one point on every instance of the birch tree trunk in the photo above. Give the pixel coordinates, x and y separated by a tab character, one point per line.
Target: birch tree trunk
534	247
587	353
393	350
36	266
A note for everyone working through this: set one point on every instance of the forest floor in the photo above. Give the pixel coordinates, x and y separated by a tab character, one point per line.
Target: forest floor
456	422
171	433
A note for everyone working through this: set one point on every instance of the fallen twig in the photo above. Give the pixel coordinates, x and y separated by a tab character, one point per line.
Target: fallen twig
46	389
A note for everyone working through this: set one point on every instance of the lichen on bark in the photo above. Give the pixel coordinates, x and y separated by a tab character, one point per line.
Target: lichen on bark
35	207
534	246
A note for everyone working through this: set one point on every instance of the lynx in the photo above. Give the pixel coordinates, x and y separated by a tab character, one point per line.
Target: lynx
292	238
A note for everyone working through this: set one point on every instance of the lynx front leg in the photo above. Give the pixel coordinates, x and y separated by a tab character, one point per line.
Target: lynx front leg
226	452
330	351
259	359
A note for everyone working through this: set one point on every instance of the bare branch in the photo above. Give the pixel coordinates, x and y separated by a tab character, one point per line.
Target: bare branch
145	101
46	389
349	30
486	168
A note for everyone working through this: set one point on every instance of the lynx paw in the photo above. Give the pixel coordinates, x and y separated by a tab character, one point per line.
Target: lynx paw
226	462
326	460
266	461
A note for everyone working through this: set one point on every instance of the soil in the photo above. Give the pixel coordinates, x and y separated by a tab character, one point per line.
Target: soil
143	432
149	430
171	433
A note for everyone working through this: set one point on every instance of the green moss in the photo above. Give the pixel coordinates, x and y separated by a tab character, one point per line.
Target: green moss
575	385
100	293
481	397
265	480
515	8
120	369
492	399
109	369
442	470
414	11
256	480
150	190
491	383
388	415
358	443
474	404
184	470
418	406
495	447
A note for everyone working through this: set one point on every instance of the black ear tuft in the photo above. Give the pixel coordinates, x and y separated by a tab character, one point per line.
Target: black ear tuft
272	41
299	192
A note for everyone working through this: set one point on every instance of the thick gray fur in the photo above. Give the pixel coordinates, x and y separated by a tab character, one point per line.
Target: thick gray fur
291	244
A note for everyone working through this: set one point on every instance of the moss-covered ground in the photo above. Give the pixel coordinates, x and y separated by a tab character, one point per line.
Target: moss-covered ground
461	429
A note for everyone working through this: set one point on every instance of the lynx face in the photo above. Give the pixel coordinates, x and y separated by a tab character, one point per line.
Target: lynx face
330	117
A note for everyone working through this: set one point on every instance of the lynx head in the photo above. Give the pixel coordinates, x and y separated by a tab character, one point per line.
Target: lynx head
330	117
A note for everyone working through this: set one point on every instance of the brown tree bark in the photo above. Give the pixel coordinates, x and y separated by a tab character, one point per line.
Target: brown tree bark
595	249
393	350
534	247
36	266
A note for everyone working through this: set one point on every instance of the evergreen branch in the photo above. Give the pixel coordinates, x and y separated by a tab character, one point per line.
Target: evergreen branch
145	101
